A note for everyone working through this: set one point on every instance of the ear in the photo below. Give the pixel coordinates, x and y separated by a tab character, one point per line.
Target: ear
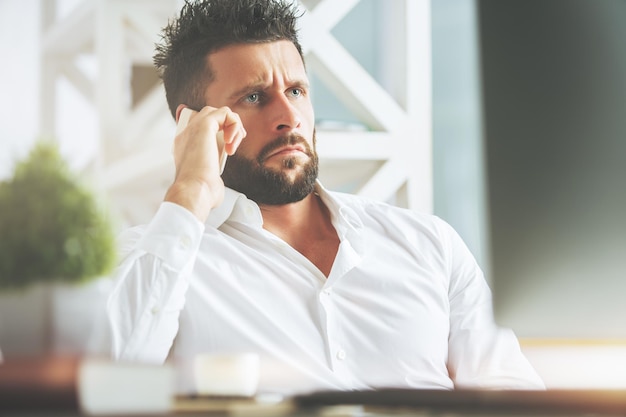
180	109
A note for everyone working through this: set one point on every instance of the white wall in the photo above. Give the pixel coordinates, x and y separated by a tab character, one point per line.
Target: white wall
19	112
20	87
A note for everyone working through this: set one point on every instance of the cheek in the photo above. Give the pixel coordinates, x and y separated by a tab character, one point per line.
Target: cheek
247	149
308	113
251	145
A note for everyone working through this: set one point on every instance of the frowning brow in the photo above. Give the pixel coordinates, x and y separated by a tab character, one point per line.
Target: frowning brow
247	89
263	86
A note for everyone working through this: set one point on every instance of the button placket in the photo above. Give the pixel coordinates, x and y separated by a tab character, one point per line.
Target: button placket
337	354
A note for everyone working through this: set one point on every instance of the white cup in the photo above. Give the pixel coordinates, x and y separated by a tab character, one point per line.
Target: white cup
111	388
234	374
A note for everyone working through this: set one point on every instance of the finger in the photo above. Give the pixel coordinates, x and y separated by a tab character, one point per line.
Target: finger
234	132
222	120
232	146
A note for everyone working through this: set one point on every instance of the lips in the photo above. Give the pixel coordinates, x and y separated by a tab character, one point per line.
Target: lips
286	150
284	146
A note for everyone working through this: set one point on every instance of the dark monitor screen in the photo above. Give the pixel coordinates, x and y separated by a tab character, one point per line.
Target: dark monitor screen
554	96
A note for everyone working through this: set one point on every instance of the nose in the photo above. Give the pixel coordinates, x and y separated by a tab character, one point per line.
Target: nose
286	115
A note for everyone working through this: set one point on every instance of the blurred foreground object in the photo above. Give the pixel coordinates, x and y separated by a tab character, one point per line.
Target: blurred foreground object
84	387
74	387
52	228
38	384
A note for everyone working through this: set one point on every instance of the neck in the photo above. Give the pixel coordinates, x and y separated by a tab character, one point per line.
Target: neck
284	220
306	226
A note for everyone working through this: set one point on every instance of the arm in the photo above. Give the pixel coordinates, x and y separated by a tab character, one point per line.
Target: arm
481	355
150	285
157	260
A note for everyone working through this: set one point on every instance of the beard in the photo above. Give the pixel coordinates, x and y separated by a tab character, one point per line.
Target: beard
267	186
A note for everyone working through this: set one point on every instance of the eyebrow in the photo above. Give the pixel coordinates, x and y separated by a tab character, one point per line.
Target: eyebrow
257	86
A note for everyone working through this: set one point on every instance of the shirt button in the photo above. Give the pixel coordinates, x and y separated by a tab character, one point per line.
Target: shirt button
328	291
185	242
341	354
155	310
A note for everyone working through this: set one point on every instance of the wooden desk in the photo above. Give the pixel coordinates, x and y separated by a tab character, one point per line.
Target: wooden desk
47	387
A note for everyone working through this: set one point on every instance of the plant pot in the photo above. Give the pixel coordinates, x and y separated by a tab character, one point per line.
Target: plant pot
51	319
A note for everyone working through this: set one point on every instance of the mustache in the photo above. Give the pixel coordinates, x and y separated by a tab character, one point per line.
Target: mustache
279	142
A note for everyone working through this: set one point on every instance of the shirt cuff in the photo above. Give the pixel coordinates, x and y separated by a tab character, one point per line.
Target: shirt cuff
173	235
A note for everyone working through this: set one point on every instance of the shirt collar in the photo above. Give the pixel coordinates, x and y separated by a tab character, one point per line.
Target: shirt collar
237	207
344	217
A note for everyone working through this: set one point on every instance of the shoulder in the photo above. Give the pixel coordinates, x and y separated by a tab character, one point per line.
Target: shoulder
379	211
381	220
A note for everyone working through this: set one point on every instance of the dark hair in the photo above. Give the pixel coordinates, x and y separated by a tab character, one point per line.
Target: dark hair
203	27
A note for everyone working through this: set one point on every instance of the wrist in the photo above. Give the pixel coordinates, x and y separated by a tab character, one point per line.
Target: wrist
195	196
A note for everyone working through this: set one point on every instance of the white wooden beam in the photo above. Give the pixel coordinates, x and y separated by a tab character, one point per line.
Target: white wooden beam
72	34
143	26
384	184
354	86
358	145
149	22
152	107
157	158
47	96
322	18
112	88
138	48
79	80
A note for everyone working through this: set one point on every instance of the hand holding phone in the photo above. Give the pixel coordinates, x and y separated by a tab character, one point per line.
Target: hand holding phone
197	183
183	120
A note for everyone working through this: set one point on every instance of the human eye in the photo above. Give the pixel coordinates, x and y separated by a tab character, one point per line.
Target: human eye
296	92
252	98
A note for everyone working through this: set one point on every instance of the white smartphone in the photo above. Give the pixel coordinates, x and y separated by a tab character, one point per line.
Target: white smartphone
183	120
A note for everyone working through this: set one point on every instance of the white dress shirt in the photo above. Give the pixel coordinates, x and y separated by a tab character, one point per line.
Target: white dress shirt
405	304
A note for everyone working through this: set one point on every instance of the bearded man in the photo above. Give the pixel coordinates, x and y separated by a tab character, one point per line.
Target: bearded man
330	290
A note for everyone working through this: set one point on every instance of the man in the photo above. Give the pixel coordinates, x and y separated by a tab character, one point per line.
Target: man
330	290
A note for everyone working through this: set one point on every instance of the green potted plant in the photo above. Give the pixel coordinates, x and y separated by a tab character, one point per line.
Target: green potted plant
53	231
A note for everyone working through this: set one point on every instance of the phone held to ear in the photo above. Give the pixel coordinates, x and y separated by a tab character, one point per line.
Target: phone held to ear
183	120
